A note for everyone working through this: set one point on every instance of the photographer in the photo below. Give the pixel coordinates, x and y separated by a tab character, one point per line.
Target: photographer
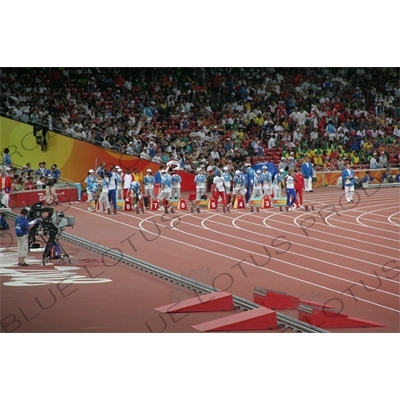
52	177
22	227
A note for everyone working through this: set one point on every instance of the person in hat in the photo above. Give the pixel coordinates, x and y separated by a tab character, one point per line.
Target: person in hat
283	163
266	182
227	182
22	228
127	180
165	189
257	184
373	163
277	183
200	181
104	202
219	183
91	189
148	183
136	194
176	181
291	162
120	183
239	186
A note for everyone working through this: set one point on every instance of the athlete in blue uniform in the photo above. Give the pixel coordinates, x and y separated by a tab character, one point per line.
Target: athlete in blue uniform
290	190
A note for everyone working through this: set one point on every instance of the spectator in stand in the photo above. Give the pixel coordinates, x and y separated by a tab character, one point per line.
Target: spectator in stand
366	180
41	171
41	183
387	177
373	164
383	161
320	106
29	184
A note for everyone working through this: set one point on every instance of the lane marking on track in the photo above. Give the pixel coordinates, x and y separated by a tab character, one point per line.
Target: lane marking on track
267	269
390	218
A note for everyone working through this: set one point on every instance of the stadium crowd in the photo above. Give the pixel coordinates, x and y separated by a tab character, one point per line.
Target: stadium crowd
217	117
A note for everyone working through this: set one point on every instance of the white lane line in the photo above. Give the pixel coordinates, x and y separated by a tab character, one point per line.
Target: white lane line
239	260
390	217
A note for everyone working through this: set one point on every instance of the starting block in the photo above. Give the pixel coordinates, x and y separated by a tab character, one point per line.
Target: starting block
309	208
128	204
265	203
155	204
239	203
209	204
318	316
260	318
261	202
281	301
182	205
255	203
279	201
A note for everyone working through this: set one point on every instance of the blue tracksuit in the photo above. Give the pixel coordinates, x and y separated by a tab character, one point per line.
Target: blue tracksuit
249	182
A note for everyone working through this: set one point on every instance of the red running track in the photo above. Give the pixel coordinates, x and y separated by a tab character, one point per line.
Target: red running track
343	255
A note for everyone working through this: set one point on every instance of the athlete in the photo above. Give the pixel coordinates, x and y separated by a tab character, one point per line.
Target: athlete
299	186
289	182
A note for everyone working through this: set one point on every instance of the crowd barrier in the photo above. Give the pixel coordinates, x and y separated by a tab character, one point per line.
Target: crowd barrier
331	178
26	198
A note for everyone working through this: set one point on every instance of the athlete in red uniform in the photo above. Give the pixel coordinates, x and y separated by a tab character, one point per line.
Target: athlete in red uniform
299	187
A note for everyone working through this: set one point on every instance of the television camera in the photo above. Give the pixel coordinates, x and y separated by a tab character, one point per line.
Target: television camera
49	226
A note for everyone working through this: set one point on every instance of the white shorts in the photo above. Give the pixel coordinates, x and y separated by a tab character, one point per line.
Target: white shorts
22	246
242	191
90	196
164	194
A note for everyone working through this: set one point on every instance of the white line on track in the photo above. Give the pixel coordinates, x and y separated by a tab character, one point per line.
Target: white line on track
142	221
390	218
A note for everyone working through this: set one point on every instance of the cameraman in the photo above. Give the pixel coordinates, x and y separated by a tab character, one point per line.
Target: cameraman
52	177
22	228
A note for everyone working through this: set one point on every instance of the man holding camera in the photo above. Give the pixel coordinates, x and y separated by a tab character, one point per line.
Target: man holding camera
22	227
